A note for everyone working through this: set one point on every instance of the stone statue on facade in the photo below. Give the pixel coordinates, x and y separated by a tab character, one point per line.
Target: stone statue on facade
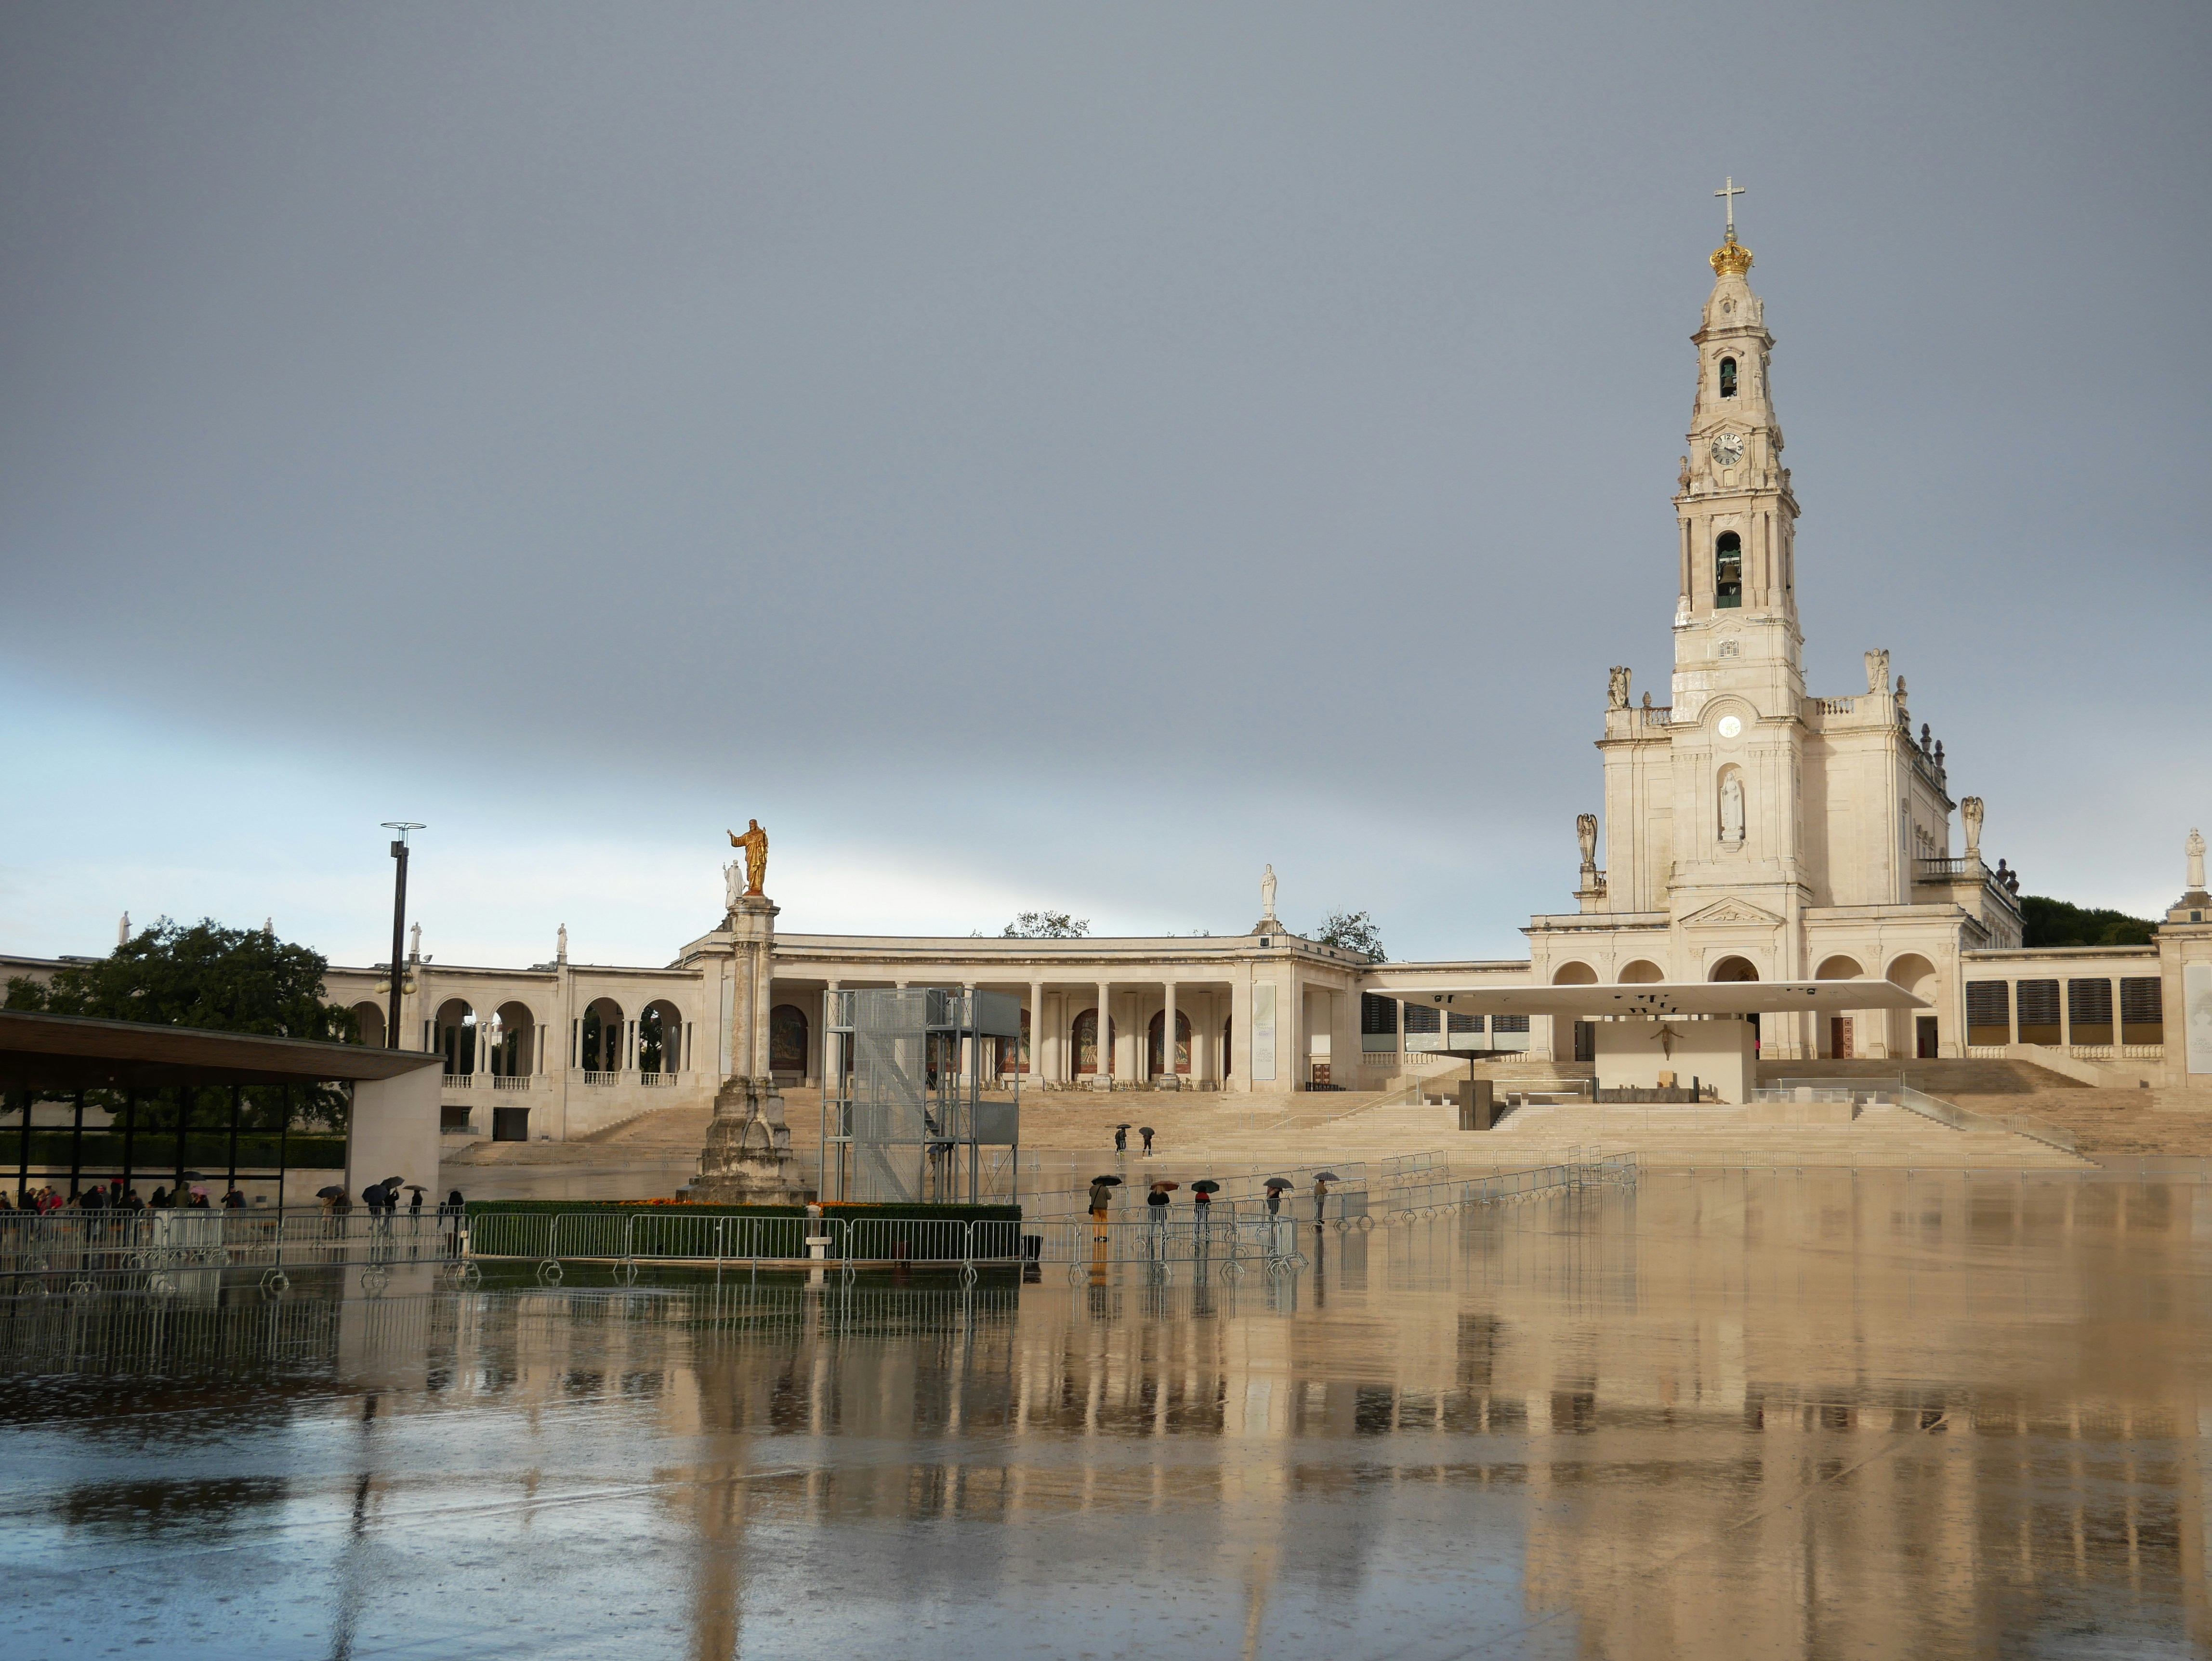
733	884
1877	668
1970	815
1616	694
415	944
561	944
2196	850
1267	894
1682	479
1732	809
755	843
1586	835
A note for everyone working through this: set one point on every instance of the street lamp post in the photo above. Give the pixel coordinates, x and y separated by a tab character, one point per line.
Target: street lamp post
398	923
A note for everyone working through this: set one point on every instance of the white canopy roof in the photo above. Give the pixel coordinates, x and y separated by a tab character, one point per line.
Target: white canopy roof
1656	999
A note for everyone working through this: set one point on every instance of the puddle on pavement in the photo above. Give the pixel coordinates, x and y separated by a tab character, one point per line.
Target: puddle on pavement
1742	1414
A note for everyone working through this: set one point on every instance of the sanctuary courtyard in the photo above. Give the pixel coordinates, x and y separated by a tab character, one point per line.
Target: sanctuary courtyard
1777	876
1754	832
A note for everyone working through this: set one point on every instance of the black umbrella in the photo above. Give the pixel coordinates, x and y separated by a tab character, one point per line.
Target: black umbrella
1110	1181
416	1187
329	1193
1144	1130
1206	1186
390	1182
1121	1127
1326	1177
1279	1184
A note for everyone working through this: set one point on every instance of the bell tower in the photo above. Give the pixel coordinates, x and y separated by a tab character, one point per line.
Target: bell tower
1736	614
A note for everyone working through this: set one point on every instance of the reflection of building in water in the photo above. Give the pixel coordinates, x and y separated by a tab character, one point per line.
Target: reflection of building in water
1741	1415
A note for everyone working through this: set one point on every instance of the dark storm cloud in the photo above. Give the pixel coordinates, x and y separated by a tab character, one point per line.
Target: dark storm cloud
1239	406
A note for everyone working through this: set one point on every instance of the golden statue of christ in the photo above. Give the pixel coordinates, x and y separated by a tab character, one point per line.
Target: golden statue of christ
755	843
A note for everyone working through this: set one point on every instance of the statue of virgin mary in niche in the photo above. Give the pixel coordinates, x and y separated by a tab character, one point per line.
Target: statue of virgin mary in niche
1732	808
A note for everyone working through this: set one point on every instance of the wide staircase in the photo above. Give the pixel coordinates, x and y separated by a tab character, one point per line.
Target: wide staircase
1348	1125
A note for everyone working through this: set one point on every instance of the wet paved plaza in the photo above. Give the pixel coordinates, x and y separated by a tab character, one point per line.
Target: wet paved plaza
1715	1415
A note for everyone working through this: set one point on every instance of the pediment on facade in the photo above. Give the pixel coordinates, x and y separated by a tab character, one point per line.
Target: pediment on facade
1732	913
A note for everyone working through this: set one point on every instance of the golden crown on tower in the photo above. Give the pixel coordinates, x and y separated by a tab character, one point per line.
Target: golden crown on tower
1731	258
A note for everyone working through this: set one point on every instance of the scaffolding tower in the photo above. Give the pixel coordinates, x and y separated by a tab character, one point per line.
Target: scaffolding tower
904	1113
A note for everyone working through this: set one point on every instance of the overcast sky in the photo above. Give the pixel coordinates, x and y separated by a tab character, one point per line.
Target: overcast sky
1049	456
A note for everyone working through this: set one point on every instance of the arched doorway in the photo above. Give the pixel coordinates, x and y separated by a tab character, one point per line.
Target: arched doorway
1741	969
1842	1041
1157	1064
1082	1042
1917	975
1642	972
786	1040
1574	974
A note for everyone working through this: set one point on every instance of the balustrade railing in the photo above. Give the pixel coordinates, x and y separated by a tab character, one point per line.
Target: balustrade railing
600	1078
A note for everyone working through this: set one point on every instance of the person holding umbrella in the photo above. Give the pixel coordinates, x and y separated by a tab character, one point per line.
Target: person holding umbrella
1275	1187
1201	1199
1321	1180
1156	1203
1101	1198
1145	1131
1120	1139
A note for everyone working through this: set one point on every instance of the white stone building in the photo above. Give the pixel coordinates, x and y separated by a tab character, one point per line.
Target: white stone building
1751	830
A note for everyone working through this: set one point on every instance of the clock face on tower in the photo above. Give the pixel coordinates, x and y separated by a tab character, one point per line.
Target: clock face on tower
1728	448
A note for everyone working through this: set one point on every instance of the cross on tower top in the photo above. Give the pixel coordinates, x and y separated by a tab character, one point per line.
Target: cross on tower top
1730	192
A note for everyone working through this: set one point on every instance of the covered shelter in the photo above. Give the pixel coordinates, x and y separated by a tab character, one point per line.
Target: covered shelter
1705	1030
392	1129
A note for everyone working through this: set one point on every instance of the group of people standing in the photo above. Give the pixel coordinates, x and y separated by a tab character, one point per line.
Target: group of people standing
113	1196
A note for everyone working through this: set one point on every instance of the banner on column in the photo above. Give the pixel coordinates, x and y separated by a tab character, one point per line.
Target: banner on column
2196	1014
1263	1031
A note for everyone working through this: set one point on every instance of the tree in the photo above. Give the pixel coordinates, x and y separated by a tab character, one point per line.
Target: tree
1046	925
1353	931
2048	923
231	980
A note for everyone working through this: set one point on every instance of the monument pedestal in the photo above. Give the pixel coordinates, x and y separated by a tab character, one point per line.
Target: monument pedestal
747	1157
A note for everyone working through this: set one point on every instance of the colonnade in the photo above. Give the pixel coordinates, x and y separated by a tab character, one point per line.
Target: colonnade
1296	1026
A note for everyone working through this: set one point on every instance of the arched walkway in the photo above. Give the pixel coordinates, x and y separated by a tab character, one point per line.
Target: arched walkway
660	1038
456	1027
512	1042
1642	972
599	1036
1574	974
368	1024
1733	969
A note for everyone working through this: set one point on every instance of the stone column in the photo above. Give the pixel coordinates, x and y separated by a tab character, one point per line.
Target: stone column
970	1052
1169	1079
1036	1034
832	1055
1103	1079
747	1157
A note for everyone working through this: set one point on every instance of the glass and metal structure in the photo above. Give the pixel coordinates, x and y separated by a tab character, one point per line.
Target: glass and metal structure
904	1116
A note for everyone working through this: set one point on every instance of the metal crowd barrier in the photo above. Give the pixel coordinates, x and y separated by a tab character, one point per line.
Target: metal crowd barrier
166	1251
1227	1246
